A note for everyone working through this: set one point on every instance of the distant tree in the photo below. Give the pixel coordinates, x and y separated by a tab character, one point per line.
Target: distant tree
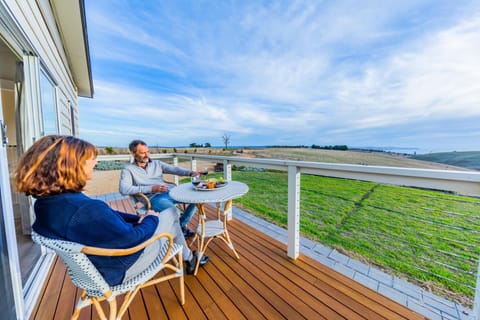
109	150
207	145
193	145
226	140
335	147
342	147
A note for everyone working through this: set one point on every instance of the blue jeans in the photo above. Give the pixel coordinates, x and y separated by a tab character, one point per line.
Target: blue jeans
162	201
167	222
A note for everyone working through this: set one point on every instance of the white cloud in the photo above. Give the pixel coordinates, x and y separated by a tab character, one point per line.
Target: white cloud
297	72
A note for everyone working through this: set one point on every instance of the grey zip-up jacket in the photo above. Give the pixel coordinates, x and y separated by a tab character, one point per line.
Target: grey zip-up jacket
135	179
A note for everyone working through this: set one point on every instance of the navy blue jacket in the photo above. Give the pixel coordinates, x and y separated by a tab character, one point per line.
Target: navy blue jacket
78	218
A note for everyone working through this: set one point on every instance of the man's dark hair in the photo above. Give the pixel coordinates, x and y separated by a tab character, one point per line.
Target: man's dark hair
133	145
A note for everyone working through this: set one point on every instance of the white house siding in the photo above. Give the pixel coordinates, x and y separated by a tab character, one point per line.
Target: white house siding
46	43
38	33
64	114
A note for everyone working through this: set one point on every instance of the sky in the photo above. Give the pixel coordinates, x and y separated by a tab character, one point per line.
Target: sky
392	74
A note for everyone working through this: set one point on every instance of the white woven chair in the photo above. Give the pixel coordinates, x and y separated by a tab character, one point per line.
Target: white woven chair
142	204
95	289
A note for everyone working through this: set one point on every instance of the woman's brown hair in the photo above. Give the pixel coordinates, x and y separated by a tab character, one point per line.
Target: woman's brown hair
54	164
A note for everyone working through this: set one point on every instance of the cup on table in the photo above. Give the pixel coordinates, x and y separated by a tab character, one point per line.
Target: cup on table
196	181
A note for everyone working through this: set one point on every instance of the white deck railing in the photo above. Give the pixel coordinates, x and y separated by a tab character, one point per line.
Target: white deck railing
460	182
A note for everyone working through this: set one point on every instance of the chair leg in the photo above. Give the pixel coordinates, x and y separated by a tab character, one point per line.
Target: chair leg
181	278
230	243
75	314
192	240
113	309
83	302
99	309
201	250
127	299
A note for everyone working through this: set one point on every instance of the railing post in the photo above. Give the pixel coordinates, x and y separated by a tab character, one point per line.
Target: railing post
193	164
476	301
175	163
293	242
227	170
227	175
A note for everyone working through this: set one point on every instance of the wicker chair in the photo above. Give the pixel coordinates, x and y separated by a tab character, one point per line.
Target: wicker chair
95	289
142	204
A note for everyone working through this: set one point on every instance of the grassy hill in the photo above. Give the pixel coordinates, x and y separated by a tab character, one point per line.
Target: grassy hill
371	158
467	159
441	161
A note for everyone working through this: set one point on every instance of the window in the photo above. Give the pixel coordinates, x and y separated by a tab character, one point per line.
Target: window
49	110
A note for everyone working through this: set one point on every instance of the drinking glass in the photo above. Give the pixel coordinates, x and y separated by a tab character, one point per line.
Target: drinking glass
195	181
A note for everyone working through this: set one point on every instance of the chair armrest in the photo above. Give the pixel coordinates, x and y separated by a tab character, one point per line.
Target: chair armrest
145	199
123	252
167	181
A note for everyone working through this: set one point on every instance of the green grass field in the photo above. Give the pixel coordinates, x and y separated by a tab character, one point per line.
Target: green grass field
467	159
427	237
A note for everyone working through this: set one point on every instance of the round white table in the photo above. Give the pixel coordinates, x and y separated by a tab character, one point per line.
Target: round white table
186	193
207	230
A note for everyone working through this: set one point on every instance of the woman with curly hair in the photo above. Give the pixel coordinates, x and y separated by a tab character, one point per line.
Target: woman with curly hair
55	170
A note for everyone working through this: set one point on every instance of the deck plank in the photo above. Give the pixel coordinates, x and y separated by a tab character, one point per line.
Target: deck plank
263	284
267	273
67	298
304	281
361	294
50	294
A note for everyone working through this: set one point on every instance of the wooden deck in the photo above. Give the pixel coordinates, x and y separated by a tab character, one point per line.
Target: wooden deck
263	284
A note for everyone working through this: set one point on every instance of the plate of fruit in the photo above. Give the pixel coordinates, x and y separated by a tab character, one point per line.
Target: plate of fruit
211	184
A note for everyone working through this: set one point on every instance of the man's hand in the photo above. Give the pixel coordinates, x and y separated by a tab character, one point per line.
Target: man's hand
198	173
195	174
159	188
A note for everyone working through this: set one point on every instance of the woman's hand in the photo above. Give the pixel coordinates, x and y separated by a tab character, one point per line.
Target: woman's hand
148	213
151	213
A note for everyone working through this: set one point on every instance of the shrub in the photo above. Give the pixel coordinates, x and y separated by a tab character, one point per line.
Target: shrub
109	165
109	150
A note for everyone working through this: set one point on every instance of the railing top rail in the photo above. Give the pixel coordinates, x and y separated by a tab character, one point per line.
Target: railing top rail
463	182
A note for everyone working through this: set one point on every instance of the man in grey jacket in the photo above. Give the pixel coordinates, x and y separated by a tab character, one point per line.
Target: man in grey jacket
146	176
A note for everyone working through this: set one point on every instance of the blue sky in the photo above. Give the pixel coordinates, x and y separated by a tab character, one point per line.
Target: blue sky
360	73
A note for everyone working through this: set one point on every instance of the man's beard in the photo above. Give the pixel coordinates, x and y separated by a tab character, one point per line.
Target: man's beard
142	160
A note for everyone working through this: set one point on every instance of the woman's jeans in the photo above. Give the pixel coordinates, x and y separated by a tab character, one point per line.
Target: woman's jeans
162	201
167	222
